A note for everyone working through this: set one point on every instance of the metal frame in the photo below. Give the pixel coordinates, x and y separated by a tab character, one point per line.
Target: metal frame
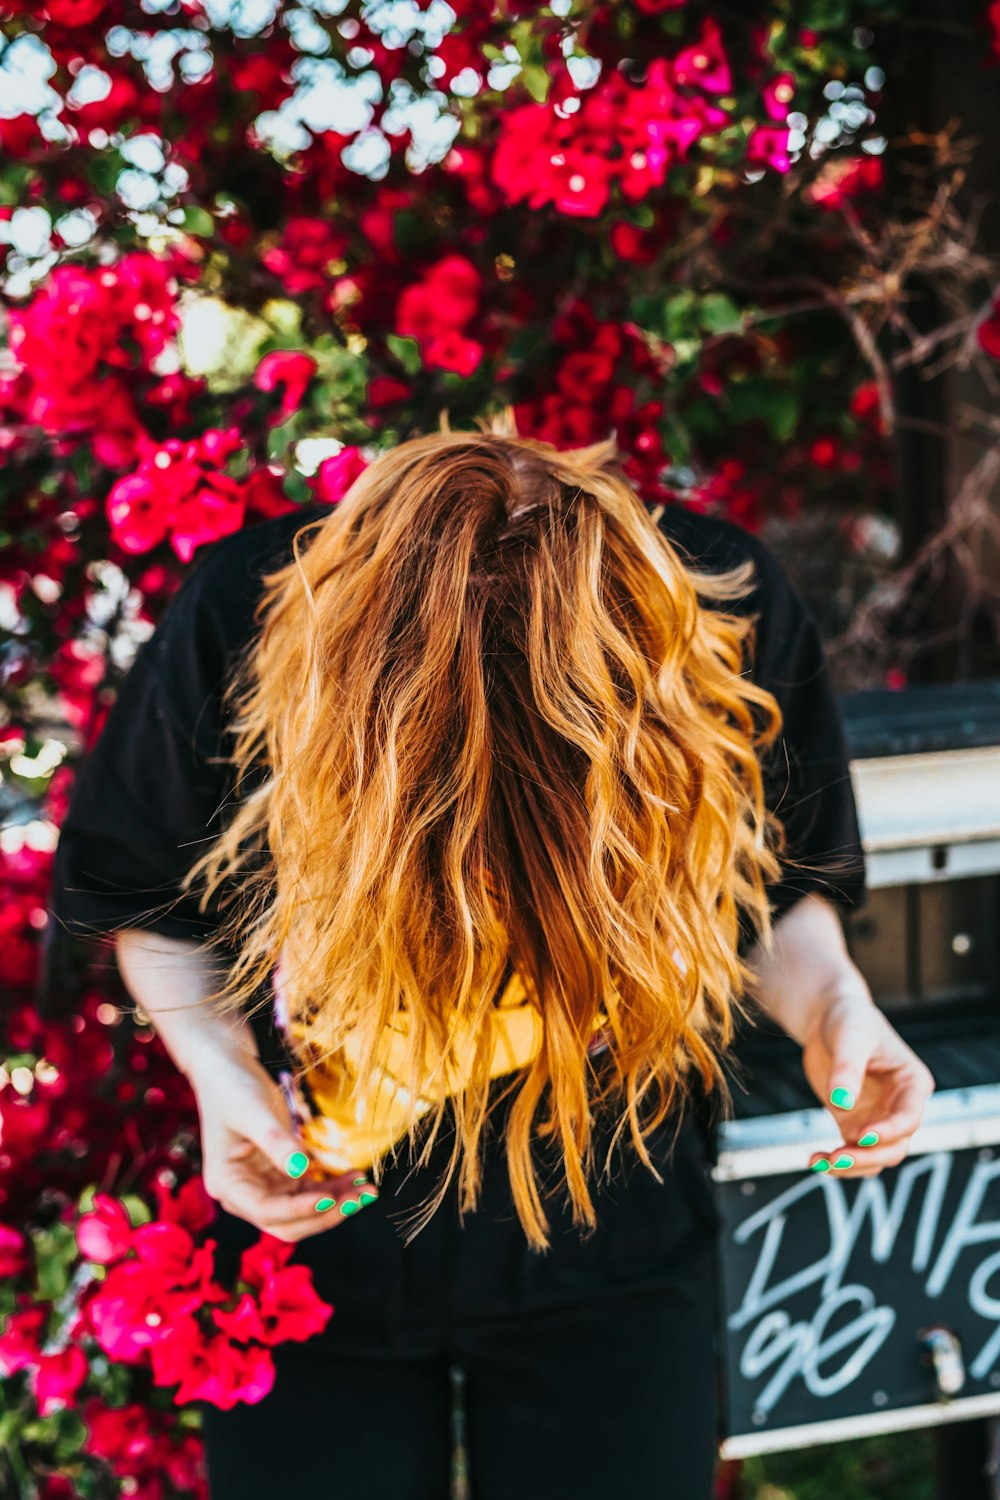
870	1424
954	1120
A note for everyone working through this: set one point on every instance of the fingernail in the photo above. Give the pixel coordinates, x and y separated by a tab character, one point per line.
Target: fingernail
820	1166
371	1196
360	1181
842	1098
844	1161
296	1163
870	1138
349	1206
325	1203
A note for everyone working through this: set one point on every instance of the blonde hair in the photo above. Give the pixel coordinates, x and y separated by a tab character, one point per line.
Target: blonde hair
488	716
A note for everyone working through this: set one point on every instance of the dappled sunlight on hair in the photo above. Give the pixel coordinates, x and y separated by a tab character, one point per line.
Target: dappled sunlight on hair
490	714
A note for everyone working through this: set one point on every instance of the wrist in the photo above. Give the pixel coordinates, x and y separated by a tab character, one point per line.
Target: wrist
846	994
214	1047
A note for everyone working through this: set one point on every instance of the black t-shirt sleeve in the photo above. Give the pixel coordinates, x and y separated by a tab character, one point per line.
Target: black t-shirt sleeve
807	773
149	795
807	776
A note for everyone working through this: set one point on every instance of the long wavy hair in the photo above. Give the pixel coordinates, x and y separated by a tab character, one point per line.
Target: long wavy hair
491	714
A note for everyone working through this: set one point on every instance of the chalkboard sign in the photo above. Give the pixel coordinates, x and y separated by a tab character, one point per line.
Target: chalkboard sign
831	1288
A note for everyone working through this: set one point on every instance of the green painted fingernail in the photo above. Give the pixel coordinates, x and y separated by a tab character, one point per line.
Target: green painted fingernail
844	1161
296	1163
349	1206
870	1138
369	1198
361	1182
820	1166
325	1203
842	1098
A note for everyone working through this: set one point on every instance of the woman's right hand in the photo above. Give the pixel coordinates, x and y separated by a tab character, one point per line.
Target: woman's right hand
246	1138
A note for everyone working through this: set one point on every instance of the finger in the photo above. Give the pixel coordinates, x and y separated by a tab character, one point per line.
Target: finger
851	1051
855	1161
317	1223
333	1199
905	1117
280	1144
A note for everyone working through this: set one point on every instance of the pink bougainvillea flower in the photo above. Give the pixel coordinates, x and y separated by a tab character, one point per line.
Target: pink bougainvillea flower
451	350
180	491
288	371
210	1368
767	145
288	1303
843	178
704	65
303	259
20	135
104	1234
988	331
264	492
242	1323
336	474
75	12
20	1341
56	1378
15	1251
777	96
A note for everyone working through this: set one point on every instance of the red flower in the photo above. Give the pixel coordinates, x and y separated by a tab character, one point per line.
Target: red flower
209	1368
105	1234
289	1305
843	178
451	350
287	370
988	331
778	95
20	135
705	65
180	491
56	1379
336	475
768	145
20	1342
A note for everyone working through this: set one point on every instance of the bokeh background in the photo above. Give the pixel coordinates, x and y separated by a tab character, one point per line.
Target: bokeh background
248	243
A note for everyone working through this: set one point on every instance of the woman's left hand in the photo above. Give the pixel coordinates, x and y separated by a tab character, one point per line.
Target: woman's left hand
873	1084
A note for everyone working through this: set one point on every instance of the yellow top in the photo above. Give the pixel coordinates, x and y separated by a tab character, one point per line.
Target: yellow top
345	1133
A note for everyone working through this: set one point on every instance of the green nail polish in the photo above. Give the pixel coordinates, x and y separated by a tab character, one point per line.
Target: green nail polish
361	1182
368	1198
325	1203
820	1166
349	1206
296	1163
842	1098
870	1138
844	1161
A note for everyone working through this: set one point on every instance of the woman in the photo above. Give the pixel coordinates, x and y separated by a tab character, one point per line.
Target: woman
447	834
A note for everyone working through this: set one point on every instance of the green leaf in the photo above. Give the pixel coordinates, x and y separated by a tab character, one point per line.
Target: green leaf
719	314
407	351
536	81
138	1211
198	221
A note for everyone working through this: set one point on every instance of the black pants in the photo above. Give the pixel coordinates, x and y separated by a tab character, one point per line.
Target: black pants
588	1371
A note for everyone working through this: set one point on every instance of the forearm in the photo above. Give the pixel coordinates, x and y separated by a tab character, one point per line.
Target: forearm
807	970
171	979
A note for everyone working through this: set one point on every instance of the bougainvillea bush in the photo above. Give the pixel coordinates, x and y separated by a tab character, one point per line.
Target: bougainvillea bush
245	247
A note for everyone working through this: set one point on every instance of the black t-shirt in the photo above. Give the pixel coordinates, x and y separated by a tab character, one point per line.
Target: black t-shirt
153	791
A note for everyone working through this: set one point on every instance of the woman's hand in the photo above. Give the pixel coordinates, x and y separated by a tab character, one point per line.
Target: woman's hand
247	1139
246	1128
857	1064
874	1085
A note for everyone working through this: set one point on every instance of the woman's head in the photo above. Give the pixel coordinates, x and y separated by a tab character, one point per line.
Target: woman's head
497	716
